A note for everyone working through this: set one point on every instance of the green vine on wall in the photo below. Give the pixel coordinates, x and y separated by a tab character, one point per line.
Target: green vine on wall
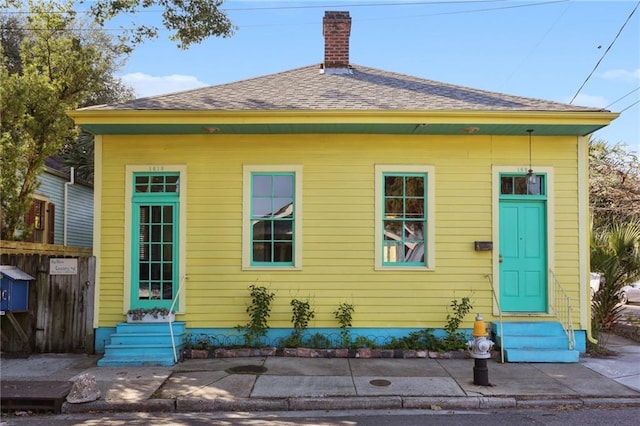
259	311
344	315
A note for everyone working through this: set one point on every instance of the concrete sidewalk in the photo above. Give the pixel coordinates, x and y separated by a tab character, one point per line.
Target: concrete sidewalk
289	383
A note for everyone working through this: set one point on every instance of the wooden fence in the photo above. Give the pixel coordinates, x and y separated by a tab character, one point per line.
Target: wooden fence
60	311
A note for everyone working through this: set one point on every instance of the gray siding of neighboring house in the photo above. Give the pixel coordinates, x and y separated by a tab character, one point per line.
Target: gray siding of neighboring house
79	205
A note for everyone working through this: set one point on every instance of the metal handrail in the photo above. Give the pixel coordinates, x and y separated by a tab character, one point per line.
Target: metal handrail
563	310
495	299
173	304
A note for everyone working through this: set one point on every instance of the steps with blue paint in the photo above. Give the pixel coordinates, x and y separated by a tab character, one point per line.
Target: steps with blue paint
534	342
144	344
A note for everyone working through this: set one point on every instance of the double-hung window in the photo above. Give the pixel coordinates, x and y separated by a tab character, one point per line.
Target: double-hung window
404	217
272	214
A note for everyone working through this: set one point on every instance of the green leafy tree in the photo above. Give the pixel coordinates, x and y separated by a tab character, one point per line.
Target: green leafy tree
189	21
614	184
79	155
63	64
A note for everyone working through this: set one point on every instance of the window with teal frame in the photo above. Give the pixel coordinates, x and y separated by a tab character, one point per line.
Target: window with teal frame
404	220
155	211
272	219
519	185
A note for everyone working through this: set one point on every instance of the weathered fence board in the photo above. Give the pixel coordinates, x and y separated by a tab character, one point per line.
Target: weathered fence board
60	316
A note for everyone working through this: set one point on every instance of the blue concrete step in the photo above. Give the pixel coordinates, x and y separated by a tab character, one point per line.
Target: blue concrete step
534	342
151	327
144	344
136	362
541	355
146	338
538	328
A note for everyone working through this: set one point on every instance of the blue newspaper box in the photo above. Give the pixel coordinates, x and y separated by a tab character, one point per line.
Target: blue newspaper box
14	289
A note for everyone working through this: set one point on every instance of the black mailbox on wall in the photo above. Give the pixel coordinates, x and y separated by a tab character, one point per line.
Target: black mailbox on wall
483	245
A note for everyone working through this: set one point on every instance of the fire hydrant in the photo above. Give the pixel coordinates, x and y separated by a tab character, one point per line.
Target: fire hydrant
480	349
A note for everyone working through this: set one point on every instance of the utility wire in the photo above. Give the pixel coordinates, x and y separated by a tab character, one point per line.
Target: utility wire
638	101
605	52
622	97
227	9
386	18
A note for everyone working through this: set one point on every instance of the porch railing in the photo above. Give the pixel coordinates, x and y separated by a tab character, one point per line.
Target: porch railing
495	299
172	309
563	310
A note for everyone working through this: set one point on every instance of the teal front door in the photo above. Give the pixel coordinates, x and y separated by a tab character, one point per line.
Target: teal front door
155	240
523	255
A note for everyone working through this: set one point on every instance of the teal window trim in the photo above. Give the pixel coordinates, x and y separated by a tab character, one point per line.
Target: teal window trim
543	180
276	210
409	223
158	194
149	184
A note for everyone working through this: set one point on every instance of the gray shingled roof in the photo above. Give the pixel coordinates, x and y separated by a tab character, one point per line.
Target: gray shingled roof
364	89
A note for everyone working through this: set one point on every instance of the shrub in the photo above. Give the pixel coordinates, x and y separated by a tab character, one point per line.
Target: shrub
344	315
259	311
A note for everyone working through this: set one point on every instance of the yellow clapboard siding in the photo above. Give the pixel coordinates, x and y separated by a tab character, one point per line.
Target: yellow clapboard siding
338	222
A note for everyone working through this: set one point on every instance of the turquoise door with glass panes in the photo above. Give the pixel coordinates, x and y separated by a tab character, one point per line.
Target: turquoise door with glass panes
523	247
154	253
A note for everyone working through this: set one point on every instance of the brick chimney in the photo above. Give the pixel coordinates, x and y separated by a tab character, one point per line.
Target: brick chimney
336	28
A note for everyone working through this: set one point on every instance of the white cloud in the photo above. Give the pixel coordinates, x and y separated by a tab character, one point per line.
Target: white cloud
148	85
624	75
590	101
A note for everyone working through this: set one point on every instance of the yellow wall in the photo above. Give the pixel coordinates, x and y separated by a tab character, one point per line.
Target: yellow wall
338	223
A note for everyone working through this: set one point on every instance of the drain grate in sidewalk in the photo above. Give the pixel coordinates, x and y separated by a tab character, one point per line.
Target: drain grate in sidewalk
247	369
37	396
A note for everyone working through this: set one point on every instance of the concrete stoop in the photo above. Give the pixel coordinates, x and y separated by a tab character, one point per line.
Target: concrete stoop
534	342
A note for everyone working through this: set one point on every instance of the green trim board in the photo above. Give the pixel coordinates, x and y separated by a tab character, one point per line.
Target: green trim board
351	128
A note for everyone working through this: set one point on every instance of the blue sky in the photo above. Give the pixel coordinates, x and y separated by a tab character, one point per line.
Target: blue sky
537	48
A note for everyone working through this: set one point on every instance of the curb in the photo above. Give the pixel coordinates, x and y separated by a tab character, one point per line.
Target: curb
189	405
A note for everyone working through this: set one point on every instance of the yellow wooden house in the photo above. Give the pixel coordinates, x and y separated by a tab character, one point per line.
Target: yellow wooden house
339	183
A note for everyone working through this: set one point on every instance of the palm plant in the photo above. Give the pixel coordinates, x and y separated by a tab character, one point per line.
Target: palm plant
615	254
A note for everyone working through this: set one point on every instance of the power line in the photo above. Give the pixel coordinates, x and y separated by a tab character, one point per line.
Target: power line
636	102
386	18
622	97
537	45
417	3
605	52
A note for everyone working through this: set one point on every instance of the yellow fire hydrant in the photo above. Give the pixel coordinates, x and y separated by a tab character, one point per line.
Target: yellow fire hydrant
480	350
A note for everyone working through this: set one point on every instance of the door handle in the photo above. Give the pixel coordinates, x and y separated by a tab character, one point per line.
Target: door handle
500	258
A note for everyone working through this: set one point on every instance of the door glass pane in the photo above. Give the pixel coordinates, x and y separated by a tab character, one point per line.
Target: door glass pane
521	185
156	249
143	291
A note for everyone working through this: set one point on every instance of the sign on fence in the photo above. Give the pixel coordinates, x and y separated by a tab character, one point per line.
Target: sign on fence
63	266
